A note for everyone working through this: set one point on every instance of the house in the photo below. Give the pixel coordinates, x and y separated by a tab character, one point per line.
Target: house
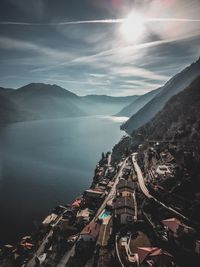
76	204
93	197
83	215
91	230
175	227
124	209
49	219
153	256
163	170
125	185
125	188
88	237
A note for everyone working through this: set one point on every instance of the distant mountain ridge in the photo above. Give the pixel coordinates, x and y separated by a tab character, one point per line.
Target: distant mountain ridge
112	98
33	89
45	101
172	87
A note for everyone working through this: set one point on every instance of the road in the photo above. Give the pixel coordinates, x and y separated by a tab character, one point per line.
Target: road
67	256
109	159
135	206
140	178
112	192
41	248
146	191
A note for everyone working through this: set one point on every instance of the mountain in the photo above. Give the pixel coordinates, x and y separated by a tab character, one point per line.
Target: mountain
172	87
32	90
5	91
111	99
105	105
178	120
45	101
9	111
137	104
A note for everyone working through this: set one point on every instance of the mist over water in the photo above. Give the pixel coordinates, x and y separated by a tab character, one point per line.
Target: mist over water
46	163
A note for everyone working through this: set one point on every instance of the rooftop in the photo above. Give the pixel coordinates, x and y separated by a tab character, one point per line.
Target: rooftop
125	184
125	201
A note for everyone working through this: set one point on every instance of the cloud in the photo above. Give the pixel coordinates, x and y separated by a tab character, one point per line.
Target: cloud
138	72
88	54
8	43
97	21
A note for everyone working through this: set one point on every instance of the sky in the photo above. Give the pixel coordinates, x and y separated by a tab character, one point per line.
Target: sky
113	47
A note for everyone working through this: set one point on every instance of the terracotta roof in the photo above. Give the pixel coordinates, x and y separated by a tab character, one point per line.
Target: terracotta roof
91	229
172	223
144	252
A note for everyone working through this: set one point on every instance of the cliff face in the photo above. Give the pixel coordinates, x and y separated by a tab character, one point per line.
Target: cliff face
172	87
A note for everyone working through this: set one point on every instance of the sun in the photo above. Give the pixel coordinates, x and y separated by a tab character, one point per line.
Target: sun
133	27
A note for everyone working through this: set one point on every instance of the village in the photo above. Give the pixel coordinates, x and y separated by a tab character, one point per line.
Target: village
130	216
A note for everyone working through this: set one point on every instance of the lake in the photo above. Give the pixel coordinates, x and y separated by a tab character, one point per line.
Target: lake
46	163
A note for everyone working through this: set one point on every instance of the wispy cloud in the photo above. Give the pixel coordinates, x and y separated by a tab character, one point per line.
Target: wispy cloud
133	71
8	43
97	21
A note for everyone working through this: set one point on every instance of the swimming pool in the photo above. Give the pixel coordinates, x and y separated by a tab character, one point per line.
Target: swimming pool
105	214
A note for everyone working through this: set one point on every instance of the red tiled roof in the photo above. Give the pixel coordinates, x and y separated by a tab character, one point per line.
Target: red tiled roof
77	202
172	223
144	252
91	229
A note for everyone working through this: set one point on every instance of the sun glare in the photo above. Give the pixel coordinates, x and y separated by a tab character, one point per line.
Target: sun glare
133	27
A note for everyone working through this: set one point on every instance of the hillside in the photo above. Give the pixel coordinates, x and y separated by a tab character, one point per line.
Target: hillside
172	87
10	112
46	101
178	120
137	104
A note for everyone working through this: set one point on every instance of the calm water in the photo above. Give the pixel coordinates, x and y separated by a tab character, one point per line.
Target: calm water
46	163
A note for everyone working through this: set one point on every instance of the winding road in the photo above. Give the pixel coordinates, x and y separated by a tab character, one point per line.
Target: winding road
146	191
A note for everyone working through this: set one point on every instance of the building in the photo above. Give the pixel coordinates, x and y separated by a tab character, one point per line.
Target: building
83	215
125	188
124	209
50	219
88	237
91	230
175	227
93	197
163	170
153	256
